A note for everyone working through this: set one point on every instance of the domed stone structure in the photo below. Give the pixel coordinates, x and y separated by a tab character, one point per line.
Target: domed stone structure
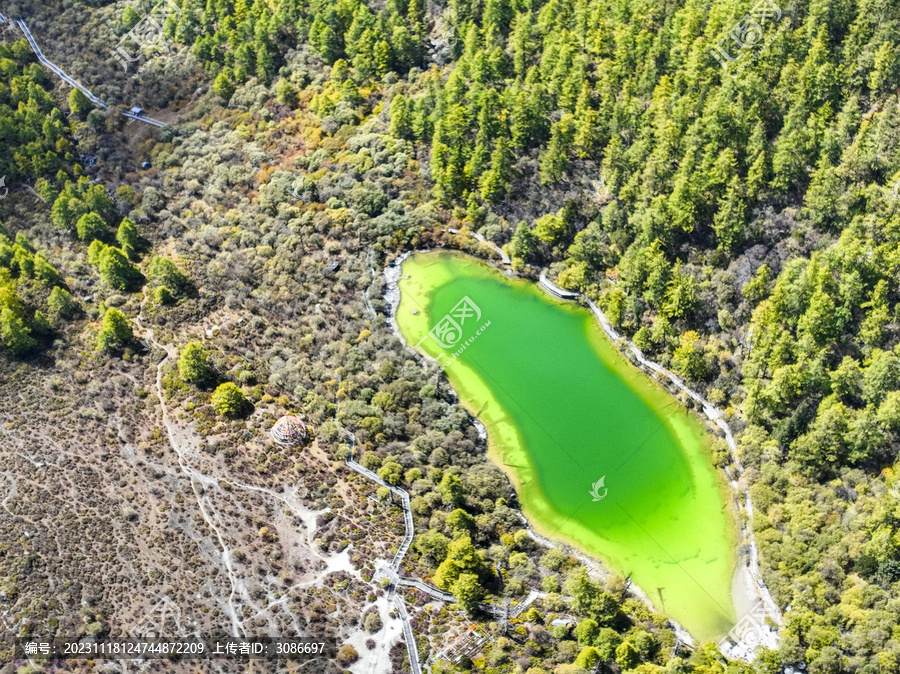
289	431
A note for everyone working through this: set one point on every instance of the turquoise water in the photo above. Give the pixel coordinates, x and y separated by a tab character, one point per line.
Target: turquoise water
564	411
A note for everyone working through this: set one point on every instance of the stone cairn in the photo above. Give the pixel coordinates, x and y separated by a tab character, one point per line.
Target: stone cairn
289	431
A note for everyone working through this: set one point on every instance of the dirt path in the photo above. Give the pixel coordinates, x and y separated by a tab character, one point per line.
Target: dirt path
176	441
185	445
377	660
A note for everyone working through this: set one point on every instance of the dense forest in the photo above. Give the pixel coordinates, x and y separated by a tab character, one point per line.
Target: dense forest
741	224
36	142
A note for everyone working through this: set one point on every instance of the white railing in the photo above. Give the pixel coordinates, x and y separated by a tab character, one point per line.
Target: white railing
410	637
69	80
393	576
556	290
712	413
430	590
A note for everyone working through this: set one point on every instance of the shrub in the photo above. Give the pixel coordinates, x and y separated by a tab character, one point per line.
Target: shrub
627	655
194	365
372	622
90	226
115	330
228	399
347	655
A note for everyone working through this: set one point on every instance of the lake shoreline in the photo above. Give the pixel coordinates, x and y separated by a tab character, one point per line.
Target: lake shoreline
750	594
507	449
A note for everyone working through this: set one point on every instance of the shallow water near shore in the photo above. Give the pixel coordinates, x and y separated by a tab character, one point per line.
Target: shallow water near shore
601	456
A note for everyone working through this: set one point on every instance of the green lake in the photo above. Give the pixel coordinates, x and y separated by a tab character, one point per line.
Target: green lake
564	410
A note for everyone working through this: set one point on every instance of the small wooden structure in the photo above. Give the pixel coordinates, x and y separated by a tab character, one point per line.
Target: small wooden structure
470	643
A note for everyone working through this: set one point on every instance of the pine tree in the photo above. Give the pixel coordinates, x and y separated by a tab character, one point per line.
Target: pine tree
401	126
223	85
363	22
479	159
364	60
229	400
285	92
265	64
79	105
521	124
22	264
90	226
340	71
62	215
128	239
244	62
194	365
555	159
422	126
587	122
495	181
45	271
730	220
130	17
114	331
448	154
60	302
97	200
350	93
15	334
521	43
872	329
496	20
405	52
40	324
384	59
523	244
468	591
115	270
790	160
163	296
163	271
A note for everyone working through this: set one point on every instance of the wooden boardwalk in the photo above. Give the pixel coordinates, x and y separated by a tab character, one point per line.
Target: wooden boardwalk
393	574
716	418
554	289
71	81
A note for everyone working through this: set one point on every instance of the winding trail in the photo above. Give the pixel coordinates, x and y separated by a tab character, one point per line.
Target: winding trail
393	573
404	504
237	627
65	77
504	258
